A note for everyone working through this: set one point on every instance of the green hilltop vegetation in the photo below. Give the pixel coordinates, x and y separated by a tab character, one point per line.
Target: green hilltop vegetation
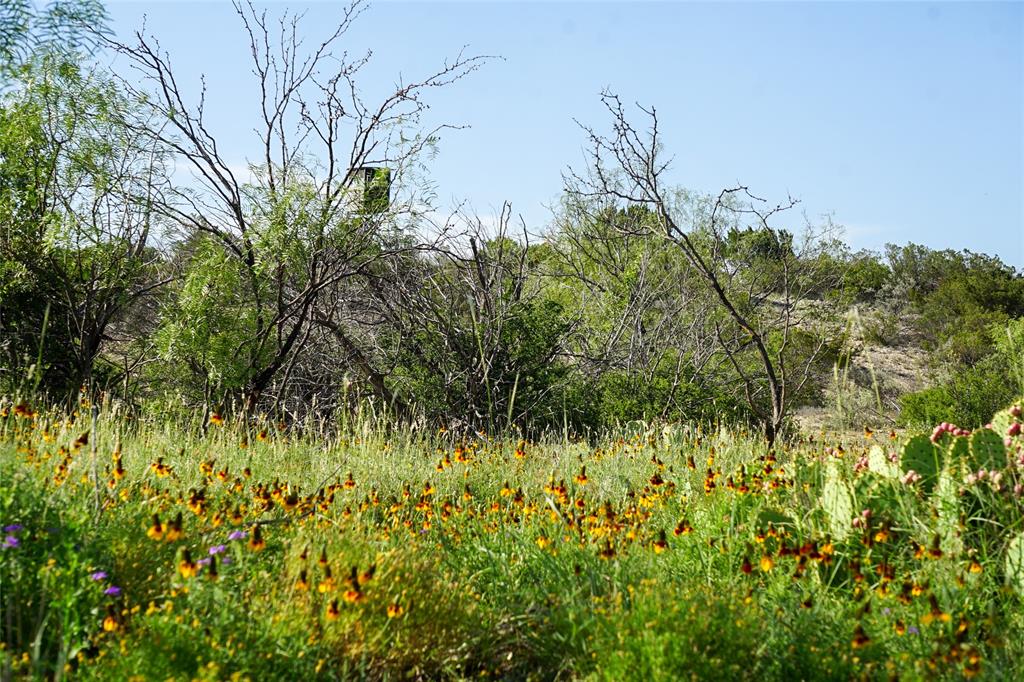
289	426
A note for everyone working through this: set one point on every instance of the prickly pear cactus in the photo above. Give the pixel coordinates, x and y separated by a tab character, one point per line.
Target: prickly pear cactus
987	450
946	502
1005	419
879	463
921	455
885	497
1001	422
959	450
1015	563
837	501
771	517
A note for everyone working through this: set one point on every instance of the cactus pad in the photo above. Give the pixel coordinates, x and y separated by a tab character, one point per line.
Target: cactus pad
837	500
987	450
921	455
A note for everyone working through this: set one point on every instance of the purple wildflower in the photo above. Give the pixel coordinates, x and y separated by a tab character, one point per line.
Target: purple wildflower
913	630
113	591
217	549
13	528
10	541
224	560
237	535
98	575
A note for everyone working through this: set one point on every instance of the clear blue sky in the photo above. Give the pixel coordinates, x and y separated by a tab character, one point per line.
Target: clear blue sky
905	121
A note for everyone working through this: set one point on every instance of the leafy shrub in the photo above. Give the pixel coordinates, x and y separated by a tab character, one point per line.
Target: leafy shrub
971	395
622	397
928	406
864	276
523	379
961	297
1009	343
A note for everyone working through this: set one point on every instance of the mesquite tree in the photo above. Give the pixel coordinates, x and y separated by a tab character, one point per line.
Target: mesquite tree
298	227
79	194
643	315
471	338
66	27
765	281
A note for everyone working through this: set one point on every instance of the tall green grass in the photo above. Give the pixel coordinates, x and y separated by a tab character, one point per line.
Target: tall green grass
490	557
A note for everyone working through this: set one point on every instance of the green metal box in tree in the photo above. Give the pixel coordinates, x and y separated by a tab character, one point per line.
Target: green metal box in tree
375	183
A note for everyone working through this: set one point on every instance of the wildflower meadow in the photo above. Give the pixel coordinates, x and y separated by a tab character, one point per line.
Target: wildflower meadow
135	548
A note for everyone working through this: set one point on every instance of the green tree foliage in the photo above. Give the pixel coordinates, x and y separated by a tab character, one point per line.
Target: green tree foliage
62	26
523	379
78	187
972	394
666	394
960	298
638	340
864	275
653	339
763	283
202	327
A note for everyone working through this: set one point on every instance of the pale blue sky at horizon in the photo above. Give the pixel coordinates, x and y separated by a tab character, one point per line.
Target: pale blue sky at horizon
903	121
